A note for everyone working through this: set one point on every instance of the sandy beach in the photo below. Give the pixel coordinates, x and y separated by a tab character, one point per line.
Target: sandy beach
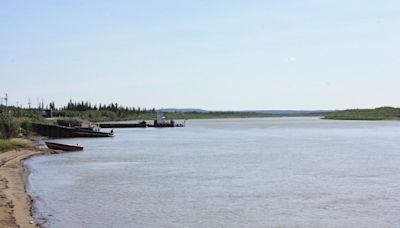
15	204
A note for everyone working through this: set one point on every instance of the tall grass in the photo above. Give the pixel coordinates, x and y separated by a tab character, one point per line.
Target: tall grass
11	144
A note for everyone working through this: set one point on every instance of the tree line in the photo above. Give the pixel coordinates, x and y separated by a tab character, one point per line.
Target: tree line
88	106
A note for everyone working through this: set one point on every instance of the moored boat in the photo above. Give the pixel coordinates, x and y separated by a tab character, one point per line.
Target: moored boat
64	147
162	121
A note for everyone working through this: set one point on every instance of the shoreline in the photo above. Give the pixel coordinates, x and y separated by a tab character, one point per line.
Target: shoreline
16	208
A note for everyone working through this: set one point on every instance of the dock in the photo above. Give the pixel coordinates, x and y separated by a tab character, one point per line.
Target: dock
142	124
160	122
55	131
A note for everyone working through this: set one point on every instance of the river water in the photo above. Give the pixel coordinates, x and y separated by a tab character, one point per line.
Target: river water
271	172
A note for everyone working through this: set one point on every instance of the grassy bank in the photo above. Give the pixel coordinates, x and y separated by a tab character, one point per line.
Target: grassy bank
11	144
383	113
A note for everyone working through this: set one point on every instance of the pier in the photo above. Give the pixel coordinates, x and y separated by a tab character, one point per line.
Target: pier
54	131
142	124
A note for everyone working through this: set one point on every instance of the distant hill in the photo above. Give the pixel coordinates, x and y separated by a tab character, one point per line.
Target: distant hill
294	112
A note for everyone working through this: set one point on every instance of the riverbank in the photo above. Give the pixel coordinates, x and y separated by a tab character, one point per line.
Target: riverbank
15	204
383	113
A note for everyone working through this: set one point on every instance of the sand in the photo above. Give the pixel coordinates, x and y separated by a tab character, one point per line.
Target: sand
15	204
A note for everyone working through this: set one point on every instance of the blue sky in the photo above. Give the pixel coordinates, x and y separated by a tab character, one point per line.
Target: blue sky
211	54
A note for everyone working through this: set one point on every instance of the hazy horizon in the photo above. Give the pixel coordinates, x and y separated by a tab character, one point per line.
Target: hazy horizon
213	55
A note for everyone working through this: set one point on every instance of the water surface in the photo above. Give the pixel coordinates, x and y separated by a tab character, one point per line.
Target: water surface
272	172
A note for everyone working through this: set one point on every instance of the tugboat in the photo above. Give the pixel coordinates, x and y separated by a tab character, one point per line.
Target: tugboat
162	121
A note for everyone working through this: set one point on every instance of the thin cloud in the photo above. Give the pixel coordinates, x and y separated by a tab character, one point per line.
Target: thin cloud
291	59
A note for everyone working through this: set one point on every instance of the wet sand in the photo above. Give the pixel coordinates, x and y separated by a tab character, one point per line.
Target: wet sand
15	204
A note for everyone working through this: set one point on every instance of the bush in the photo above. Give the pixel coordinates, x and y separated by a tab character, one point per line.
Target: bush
26	127
8	125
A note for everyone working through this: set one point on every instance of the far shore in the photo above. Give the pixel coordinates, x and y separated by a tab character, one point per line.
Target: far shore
15	203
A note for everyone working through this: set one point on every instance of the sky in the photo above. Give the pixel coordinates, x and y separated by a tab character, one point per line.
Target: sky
209	54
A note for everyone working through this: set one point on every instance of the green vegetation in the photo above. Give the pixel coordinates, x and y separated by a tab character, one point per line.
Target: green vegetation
102	116
15	121
85	111
383	113
11	144
8	124
97	113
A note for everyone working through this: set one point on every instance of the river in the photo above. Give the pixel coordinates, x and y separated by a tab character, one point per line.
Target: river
268	172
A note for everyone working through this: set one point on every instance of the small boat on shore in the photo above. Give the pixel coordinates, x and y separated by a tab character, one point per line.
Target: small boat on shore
64	147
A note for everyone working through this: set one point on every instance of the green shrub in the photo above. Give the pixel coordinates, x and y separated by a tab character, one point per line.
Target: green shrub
8	125
26	127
